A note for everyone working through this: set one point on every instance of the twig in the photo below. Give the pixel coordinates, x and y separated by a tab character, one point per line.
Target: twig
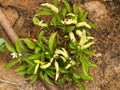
9	82
12	83
12	35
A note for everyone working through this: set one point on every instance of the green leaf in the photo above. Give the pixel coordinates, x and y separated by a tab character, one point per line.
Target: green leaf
23	47
2	44
37	49
28	61
50	73
52	42
54	21
86	77
77	76
91	64
2	48
75	9
85	67
21	68
45	40
44	11
18	46
84	62
23	72
32	78
67	77
63	11
70	28
72	45
43	56
81	86
73	51
82	16
92	25
9	47
29	43
2	41
60	81
58	18
55	2
35	20
10	64
40	44
34	56
87	51
63	70
41	74
30	69
67	5
46	78
40	36
52	68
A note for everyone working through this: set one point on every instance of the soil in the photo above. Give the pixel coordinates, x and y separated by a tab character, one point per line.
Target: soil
105	13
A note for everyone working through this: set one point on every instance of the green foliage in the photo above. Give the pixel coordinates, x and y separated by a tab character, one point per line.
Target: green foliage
52	42
56	58
55	2
67	5
29	43
10	64
9	47
44	11
2	44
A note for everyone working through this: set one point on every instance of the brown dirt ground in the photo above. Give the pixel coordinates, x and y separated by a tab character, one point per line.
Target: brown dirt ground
105	13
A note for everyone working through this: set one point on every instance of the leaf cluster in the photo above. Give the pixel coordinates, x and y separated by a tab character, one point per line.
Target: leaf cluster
56	59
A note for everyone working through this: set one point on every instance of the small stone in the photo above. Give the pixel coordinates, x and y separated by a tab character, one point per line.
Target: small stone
96	11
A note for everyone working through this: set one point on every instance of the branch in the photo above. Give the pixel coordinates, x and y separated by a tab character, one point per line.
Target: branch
7	27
